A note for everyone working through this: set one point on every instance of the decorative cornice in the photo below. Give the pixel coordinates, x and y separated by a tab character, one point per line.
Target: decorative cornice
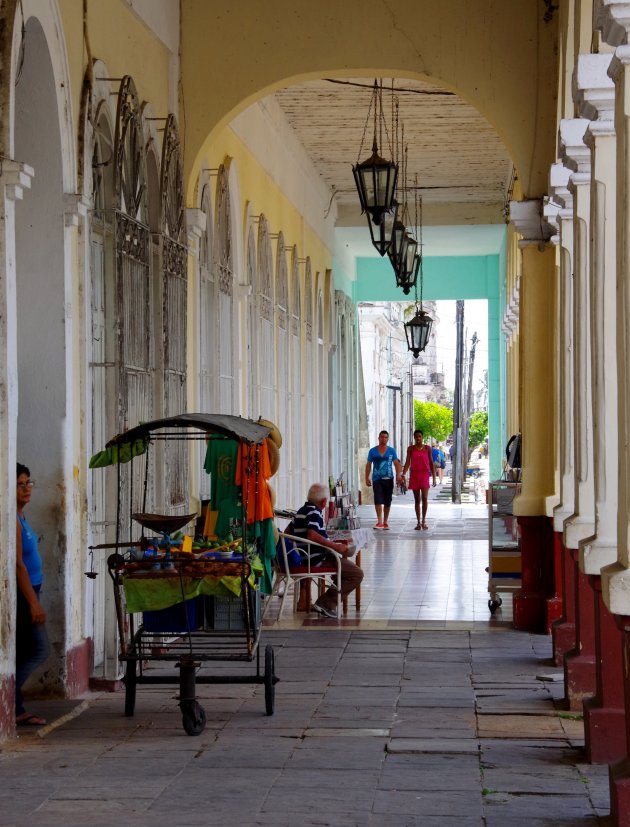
75	205
619	61
572	150
612	18
593	88
559	176
529	221
598	129
15	177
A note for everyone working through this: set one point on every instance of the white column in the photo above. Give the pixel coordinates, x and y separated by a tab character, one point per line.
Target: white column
14	178
558	187
595	98
616	577
577	157
74	517
195	225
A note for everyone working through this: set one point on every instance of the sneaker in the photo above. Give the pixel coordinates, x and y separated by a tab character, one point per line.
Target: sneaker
379	527
385	526
324	610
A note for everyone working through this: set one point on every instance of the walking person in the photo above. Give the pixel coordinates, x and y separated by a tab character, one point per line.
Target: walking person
381	461
419	462
442	463
31	646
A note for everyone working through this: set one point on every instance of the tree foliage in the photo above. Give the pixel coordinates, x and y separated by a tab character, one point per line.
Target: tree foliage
433	420
478	429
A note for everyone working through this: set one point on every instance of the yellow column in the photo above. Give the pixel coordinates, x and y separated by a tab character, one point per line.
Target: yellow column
536	403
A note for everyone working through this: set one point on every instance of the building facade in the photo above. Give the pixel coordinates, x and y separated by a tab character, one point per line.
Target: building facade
168	244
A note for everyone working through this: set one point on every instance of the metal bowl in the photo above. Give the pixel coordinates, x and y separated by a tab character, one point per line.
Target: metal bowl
164	523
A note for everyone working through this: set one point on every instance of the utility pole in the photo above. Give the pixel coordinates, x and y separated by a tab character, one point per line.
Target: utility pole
456	471
468	411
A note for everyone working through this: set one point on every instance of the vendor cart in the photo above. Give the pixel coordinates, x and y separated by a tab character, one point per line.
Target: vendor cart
185	598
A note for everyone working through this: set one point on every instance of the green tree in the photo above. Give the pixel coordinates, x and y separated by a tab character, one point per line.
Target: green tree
433	420
478	429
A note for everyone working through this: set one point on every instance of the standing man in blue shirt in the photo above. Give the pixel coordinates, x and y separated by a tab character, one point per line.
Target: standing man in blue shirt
381	461
32	647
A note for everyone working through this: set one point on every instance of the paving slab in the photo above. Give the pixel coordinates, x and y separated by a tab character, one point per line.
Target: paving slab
371	729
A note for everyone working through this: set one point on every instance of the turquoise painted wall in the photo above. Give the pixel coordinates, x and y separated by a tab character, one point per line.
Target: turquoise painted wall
447	277
452	278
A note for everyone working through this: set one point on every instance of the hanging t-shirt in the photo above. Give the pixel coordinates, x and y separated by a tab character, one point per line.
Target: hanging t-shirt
220	463
254	489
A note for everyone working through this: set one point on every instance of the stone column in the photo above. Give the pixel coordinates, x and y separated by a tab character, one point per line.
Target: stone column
616	577
579	663
195	226
604	714
14	179
563	624
613	19
536	413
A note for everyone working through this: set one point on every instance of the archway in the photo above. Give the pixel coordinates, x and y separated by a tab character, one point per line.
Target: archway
42	322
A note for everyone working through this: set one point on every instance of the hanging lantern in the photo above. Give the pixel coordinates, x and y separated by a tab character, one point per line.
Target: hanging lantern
417	331
382	231
407	278
375	177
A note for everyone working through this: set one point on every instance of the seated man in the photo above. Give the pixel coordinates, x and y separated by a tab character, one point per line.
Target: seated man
309	524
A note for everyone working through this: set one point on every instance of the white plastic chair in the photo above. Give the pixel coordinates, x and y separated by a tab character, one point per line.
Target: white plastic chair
328	573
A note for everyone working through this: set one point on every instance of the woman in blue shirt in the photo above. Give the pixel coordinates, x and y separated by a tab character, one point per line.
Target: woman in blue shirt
31	645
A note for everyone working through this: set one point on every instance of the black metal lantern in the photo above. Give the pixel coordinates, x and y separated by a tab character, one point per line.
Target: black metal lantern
407	279
398	247
418	330
375	177
382	231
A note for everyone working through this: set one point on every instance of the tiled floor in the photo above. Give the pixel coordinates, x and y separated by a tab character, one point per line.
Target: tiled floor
415	579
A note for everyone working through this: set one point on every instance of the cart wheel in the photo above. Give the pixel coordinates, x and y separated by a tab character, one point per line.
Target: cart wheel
193	718
270	679
130	681
493	605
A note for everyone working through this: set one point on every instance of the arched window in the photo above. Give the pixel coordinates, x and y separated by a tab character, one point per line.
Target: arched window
225	282
322	395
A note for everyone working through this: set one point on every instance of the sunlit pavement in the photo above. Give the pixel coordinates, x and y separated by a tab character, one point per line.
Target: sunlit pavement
416	579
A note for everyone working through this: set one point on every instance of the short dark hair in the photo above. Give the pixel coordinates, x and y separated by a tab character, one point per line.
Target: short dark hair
418	431
383	432
22	469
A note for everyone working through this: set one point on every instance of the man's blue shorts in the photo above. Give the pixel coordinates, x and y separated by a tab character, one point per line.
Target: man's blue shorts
383	491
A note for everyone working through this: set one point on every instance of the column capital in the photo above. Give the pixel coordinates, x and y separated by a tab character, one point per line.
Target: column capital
573	151
16	177
619	61
593	88
527	218
559	176
195	225
612	18
598	129
75	206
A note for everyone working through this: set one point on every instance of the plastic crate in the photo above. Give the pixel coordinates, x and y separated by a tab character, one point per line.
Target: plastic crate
178	618
225	614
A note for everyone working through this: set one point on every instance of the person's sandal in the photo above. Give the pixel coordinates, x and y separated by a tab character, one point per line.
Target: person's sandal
29	719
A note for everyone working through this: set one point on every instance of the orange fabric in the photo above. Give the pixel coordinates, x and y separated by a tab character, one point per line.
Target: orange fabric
259	505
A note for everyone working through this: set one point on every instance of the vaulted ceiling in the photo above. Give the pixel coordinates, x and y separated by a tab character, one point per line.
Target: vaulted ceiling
463	168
